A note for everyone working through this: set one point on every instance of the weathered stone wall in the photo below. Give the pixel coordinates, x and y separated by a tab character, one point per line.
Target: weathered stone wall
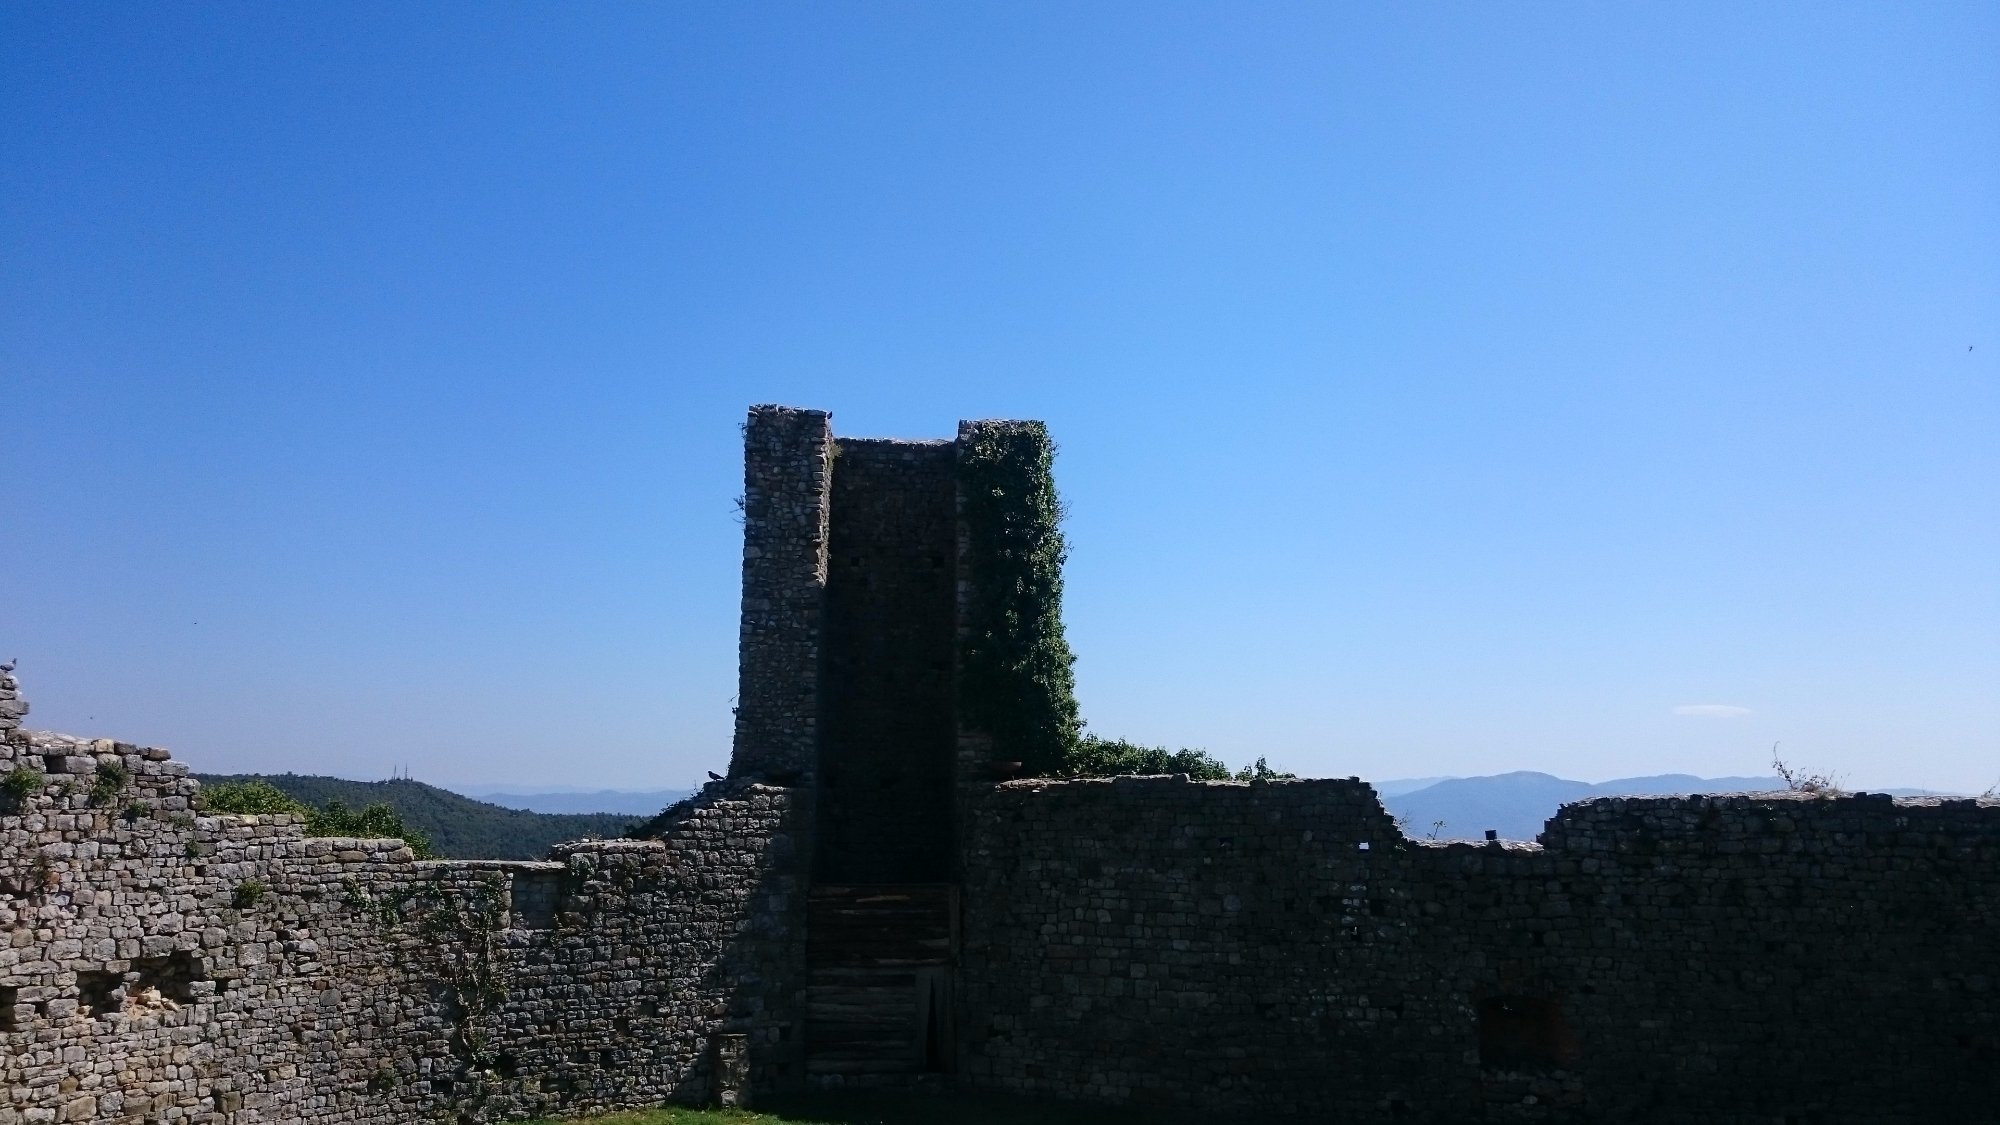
786	462
888	707
1280	949
157	964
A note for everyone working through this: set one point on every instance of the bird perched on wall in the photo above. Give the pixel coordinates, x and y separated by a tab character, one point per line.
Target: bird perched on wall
7	667
713	776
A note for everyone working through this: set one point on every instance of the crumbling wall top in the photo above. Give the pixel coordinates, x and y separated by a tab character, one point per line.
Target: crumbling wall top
1755	821
12	707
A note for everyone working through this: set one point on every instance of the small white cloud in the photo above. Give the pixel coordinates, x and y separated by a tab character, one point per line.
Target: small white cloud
1712	710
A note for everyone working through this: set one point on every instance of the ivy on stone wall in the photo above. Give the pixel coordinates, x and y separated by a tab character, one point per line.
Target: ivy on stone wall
1018	683
455	946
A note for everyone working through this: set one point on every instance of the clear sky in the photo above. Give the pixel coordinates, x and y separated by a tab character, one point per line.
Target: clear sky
1441	388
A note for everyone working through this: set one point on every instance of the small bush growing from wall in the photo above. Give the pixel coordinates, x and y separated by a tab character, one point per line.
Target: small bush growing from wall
1018	681
377	821
110	781
23	782
1261	770
1803	781
258	798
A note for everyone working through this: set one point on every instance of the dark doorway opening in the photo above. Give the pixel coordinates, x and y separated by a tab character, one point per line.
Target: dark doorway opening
100	994
173	976
1524	1033
934	987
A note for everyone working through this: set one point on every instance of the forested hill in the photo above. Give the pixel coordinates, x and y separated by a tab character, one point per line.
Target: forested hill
459	827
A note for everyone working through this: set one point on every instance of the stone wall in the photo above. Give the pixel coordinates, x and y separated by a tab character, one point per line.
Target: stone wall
888	707
158	964
786	462
1272	949
1281	949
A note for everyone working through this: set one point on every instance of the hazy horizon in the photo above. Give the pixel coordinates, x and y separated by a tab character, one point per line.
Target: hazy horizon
1388	787
1441	390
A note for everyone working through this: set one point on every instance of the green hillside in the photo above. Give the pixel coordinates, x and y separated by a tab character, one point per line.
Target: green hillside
458	827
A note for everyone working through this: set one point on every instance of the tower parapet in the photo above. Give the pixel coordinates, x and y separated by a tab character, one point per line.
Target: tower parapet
787	461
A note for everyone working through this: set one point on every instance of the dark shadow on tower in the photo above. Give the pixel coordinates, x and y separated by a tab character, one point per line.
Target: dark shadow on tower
887	715
882	911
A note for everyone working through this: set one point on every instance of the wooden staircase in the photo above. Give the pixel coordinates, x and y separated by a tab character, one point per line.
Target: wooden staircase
878	998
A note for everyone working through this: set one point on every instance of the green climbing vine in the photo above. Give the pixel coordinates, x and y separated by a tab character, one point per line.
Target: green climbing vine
453	943
1019	680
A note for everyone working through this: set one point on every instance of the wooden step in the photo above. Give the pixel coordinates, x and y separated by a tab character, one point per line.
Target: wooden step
878	996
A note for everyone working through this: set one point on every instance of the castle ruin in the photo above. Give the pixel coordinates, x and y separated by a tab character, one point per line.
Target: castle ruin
873	896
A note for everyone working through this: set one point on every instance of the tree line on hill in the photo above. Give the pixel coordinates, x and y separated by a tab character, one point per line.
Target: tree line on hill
435	822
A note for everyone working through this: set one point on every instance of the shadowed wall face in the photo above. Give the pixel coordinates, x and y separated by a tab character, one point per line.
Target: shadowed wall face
1282	949
887	710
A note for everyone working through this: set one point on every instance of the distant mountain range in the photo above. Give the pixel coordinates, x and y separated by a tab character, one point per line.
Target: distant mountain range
506	824
459	827
1516	805
630	802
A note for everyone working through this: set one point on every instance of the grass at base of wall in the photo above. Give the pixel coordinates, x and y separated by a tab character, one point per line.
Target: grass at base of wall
672	1117
887	1109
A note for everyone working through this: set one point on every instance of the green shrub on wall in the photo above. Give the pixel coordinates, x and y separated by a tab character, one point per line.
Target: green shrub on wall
111	779
377	821
1115	757
1018	683
260	798
23	782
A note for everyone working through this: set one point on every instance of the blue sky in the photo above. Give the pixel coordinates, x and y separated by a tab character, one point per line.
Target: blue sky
1442	389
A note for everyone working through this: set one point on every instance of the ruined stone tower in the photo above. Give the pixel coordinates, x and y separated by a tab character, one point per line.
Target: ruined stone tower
855	597
857	593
